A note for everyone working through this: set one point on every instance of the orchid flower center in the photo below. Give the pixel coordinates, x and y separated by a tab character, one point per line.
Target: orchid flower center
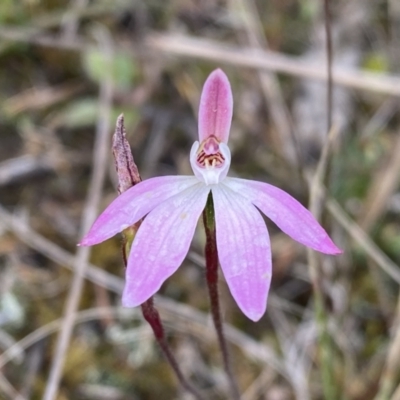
208	154
210	160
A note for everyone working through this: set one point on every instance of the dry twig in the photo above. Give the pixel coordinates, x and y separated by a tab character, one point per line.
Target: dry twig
247	10
363	240
100	154
227	54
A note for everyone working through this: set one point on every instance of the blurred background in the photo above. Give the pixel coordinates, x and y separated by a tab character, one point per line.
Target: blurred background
69	68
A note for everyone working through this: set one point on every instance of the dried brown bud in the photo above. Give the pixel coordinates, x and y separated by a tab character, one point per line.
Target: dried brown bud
127	171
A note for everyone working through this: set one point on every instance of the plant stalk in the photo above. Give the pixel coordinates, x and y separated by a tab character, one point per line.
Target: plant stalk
211	256
152	316
128	176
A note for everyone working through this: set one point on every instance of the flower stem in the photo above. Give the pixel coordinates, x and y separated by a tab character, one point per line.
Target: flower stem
128	176
152	316
211	255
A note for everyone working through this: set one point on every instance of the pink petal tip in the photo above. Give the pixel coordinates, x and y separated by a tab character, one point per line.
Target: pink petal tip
216	106
286	212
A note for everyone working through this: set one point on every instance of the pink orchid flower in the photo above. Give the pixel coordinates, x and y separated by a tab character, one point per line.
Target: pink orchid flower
173	204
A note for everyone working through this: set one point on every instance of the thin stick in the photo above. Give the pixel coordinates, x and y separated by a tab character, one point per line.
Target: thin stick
247	10
268	60
396	394
263	380
384	184
389	377
316	207
92	202
8	390
45	330
226	54
128	176
176	313
211	254
363	240
152	316
329	57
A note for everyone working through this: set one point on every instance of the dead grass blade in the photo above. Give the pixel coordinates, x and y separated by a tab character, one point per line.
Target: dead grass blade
100	166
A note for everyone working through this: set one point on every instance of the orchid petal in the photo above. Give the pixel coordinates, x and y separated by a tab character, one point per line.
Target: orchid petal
286	212
244	250
216	105
134	204
162	243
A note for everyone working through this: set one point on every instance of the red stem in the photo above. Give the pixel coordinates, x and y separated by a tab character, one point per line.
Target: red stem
128	176
211	256
152	316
